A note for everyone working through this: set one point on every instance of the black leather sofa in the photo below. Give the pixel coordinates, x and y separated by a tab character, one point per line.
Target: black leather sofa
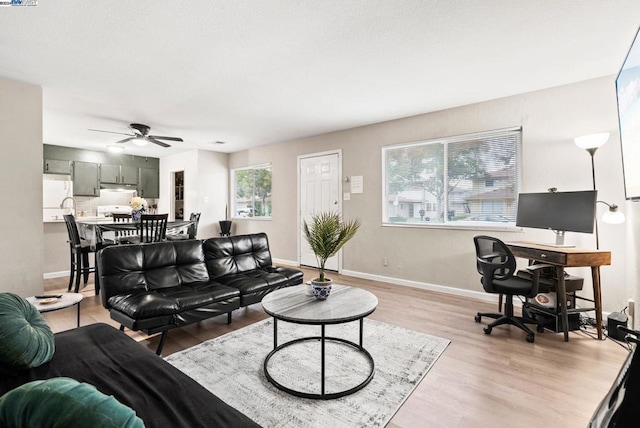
161	395
156	287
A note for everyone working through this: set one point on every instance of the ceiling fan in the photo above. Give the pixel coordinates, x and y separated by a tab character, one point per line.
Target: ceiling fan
141	136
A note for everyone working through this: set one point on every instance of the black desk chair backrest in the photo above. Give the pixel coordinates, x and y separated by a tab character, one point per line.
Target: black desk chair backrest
497	265
153	227
494	261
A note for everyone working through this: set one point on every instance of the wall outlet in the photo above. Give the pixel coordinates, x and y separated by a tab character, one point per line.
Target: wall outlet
385	262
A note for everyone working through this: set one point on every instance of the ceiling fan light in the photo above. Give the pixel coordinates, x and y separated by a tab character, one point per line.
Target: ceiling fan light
115	149
140	142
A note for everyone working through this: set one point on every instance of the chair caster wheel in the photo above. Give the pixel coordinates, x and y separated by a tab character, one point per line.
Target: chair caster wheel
540	329
487	330
530	338
478	318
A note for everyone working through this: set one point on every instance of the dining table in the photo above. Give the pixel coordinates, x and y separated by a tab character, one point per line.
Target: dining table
93	230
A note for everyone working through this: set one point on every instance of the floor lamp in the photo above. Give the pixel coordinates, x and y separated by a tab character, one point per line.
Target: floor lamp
591	143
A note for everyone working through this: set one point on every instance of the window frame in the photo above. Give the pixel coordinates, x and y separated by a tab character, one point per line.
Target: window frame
446	224
234	207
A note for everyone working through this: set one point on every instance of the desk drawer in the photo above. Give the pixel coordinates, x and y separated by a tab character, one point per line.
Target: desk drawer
540	255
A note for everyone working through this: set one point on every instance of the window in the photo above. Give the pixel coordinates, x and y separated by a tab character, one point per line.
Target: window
456	181
252	191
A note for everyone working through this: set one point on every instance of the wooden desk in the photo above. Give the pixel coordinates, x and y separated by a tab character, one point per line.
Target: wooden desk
563	258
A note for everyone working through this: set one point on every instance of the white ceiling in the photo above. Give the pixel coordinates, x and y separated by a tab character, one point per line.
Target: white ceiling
253	72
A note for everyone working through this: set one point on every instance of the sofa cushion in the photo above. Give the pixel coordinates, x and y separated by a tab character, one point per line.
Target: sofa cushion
294	276
236	254
200	294
63	402
27	341
254	281
145	304
169	301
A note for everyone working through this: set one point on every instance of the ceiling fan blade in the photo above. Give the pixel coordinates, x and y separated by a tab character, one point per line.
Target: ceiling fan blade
125	140
160	143
111	132
166	138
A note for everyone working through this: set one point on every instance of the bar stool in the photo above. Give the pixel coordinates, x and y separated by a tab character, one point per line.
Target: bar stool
79	250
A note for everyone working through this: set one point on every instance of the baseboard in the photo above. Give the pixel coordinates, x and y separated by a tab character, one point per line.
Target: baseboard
51	275
425	286
285	262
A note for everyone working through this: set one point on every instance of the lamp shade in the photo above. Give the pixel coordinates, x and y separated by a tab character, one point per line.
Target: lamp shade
592	141
613	216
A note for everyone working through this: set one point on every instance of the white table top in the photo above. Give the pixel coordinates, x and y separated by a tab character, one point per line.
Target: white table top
65	301
343	304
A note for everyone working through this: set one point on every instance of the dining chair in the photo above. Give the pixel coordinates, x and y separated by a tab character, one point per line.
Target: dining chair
124	236
79	250
192	230
153	227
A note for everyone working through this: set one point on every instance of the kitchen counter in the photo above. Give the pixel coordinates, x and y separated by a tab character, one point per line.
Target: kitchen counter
87	219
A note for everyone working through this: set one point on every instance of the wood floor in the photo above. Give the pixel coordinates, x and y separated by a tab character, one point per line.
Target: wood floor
491	381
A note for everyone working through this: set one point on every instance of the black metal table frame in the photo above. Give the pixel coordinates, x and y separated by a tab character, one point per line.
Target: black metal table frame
322	338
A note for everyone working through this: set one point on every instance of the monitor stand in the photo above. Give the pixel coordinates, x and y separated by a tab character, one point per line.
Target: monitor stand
559	240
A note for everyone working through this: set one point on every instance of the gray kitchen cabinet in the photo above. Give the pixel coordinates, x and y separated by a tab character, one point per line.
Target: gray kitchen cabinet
149	185
118	174
85	179
55	166
128	174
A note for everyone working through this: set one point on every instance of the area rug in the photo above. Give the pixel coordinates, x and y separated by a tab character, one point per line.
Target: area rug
231	367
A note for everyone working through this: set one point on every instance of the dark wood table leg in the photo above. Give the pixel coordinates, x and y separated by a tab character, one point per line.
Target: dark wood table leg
597	298
562	302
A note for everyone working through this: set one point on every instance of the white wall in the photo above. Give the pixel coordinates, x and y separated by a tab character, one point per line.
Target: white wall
22	244
206	187
445	257
213	191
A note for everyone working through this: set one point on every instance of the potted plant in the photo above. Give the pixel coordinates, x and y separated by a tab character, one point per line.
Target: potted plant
225	225
326	234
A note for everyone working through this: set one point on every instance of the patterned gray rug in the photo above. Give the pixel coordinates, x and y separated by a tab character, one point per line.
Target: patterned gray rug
230	366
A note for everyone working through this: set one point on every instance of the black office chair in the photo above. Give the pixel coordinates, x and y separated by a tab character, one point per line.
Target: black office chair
497	265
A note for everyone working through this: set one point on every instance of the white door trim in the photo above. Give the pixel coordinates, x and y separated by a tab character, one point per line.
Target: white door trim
299	208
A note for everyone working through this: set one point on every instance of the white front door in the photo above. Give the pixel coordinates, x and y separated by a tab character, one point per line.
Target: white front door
319	192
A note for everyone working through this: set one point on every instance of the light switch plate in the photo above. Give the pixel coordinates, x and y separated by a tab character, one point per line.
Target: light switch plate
346	196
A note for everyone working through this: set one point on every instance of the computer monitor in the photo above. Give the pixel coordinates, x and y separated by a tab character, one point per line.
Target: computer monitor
558	211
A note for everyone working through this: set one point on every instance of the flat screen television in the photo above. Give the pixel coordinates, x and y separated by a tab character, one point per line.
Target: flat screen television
558	211
628	94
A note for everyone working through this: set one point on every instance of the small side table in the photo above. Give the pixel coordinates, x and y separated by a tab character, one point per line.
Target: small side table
65	301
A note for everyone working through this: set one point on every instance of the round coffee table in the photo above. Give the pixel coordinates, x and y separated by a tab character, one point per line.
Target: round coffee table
66	300
345	304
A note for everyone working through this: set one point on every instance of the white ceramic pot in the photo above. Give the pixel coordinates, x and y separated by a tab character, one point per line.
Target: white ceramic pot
309	289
